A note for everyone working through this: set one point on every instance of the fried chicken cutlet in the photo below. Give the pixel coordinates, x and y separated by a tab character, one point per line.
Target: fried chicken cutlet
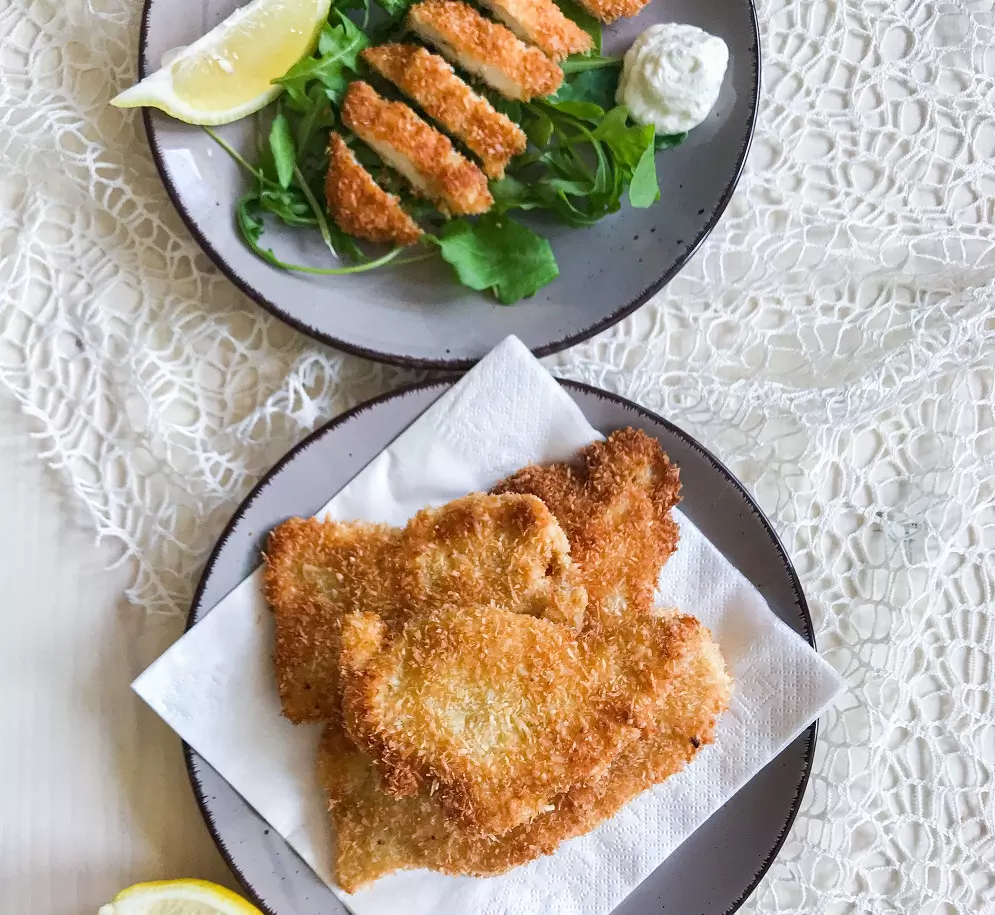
478	548
377	833
610	10
614	503
542	23
485	49
498	712
434	86
425	157
359	205
314	573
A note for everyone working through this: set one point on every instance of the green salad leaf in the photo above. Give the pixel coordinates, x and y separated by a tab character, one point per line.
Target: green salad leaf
281	145
394	7
333	64
498	254
670	140
627	141
644	190
596	85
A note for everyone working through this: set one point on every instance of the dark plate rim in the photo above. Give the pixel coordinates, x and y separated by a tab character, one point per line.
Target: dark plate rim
191	758
441	363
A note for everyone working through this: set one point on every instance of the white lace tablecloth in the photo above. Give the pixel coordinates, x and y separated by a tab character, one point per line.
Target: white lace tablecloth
833	342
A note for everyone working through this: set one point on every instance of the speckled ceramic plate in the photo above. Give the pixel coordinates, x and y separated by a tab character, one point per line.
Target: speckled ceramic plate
714	871
417	314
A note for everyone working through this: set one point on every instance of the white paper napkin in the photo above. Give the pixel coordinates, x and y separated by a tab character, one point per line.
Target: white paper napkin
215	687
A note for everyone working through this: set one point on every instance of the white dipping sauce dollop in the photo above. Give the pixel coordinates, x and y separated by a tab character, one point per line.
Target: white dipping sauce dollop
671	76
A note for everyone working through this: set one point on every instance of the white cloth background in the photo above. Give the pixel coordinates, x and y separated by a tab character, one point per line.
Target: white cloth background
833	341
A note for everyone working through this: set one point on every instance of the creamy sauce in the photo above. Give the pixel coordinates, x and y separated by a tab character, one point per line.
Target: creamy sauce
671	76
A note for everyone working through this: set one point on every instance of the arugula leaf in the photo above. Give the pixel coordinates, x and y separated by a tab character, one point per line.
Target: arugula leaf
584	19
644	189
499	254
338	51
248	219
613	122
281	144
585	111
538	127
344	42
511	194
578	63
590	85
669	141
628	143
312	131
394	7
576	176
289	206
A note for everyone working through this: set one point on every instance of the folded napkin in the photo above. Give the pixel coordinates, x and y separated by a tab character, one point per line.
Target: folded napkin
216	688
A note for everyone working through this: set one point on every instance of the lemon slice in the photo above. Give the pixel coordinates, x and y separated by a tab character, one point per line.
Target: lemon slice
178	897
229	72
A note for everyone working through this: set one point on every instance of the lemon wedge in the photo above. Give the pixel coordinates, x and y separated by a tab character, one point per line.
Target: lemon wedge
178	897
229	72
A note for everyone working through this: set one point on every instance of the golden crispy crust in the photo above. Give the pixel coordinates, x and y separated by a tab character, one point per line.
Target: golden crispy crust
687	722
614	503
359	205
314	571
480	547
610	10
542	23
485	49
478	550
498	712
428	80
378	833
423	155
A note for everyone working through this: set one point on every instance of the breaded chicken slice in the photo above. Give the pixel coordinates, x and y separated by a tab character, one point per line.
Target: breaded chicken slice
610	10
430	82
615	504
314	573
378	833
486	49
497	712
686	723
542	23
481	549
504	548
359	206
418	151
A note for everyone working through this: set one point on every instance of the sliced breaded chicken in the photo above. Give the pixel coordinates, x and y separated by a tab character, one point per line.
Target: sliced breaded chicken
359	205
486	49
610	10
430	82
418	151
498	712
508	549
378	833
542	23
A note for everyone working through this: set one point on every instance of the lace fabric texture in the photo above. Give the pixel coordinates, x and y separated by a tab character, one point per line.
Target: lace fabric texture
833	342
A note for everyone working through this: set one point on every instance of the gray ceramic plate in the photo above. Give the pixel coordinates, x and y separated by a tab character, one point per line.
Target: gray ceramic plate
710	874
418	315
